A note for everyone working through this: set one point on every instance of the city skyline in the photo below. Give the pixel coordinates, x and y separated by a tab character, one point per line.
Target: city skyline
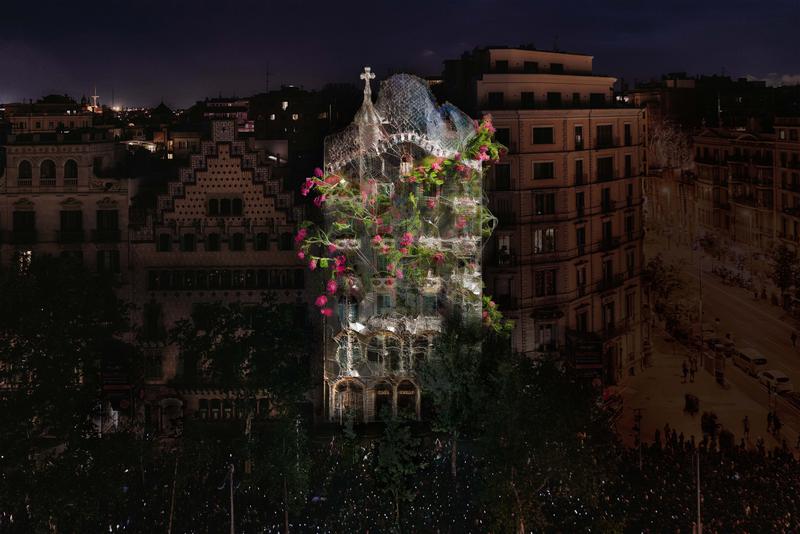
74	51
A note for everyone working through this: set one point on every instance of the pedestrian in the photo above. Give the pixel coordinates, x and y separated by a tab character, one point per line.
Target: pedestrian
793	337
685	370
746	425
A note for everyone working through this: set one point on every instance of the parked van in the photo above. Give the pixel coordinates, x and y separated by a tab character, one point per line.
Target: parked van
750	361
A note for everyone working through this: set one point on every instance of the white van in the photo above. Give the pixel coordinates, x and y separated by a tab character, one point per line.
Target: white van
750	361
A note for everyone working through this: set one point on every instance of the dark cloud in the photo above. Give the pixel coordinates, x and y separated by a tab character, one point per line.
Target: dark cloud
181	51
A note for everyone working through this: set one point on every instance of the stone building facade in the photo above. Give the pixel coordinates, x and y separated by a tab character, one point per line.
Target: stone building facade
565	260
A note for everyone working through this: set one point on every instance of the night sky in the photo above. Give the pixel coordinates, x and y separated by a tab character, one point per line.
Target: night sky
182	51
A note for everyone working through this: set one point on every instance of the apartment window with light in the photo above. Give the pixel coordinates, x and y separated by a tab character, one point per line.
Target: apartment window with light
580	278
579	138
544	240
543	170
543	135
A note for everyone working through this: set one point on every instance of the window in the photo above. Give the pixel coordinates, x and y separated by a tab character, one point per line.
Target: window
384	304
781	134
630	262
576	99
262	241
582	321
212	242
501	65
213	207
502	177
47	173
628	166
24	221
545	203
237	207
628	136
545	338
607	231
152	322
579	138
580	239
544	240
225	207
597	100
557	68
164	242
503	136
543	170
605	169
554	100
580	178
543	136
188	243
25	173
71	226
97	165
237	241
605	136
630	306
545	282
629	227
70	172
792	135
531	67
495	99
285	242
579	203
527	99
108	261
429	305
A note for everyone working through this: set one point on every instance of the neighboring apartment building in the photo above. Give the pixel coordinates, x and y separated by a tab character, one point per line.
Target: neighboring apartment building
222	232
58	197
734	185
565	260
787	181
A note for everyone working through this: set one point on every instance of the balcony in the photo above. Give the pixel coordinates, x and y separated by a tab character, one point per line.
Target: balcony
606	142
610	282
24	237
504	259
70	236
609	243
105	236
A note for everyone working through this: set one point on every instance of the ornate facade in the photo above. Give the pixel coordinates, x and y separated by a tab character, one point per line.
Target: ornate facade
384	325
221	233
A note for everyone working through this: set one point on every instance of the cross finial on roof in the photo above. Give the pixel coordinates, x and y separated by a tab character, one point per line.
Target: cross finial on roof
367	75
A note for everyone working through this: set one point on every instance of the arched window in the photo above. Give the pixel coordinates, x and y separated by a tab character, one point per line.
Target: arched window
407	399
70	170
349	400
25	172
47	173
393	349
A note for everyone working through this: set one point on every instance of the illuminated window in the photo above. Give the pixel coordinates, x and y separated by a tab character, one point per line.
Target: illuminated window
284	105
295	116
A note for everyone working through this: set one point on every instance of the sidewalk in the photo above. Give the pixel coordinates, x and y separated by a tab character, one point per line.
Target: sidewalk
659	393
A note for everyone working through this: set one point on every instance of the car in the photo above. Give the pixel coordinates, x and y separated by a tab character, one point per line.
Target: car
776	380
750	361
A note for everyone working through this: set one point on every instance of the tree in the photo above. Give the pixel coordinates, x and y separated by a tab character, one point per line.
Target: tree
543	429
784	268
56	323
397	462
452	378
